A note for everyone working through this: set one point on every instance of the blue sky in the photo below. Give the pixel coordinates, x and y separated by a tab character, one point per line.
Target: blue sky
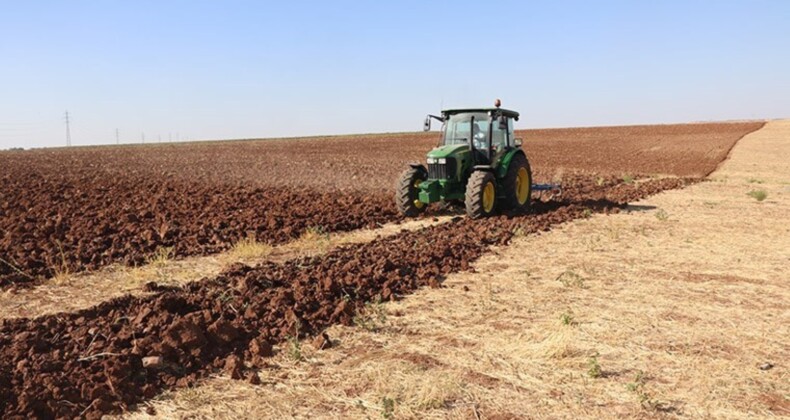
239	69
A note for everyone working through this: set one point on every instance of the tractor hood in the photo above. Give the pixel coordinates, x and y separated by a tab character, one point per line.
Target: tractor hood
447	151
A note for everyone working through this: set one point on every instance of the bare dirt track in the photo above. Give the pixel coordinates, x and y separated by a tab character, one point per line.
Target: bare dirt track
81	209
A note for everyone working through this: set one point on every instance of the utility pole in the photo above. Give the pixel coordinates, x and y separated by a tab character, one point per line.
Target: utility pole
117	137
68	130
160	138
142	136
170	137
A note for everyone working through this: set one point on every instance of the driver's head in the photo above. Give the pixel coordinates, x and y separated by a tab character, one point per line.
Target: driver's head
475	129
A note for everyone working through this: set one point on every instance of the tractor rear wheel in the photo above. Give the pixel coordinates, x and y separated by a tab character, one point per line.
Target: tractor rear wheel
518	184
407	194
481	193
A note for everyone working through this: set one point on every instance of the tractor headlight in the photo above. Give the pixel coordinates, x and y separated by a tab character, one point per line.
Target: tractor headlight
431	160
442	161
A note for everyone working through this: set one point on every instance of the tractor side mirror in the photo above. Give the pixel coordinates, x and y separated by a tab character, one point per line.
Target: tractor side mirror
518	142
427	125
503	123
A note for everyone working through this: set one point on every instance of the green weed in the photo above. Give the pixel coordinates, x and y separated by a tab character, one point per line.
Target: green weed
638	388
593	367
569	278
295	349
372	317
758	195
566	318
388	408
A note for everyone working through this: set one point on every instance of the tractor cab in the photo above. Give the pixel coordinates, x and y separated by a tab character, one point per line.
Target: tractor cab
487	132
478	161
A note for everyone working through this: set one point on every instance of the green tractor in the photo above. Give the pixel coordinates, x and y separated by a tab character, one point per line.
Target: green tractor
478	162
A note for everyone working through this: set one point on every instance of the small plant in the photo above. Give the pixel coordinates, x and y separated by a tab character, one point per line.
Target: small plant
61	273
600	181
593	367
628	179
250	248
225	297
372	317
758	195
755	181
315	233
161	257
638	388
587	213
570	279
567	318
662	215
295	348
387	408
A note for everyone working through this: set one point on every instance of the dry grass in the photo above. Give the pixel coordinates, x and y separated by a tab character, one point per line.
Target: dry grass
69	292
161	257
670	316
249	249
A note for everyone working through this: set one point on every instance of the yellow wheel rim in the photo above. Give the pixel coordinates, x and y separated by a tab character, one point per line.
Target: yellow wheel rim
417	203
489	196
522	185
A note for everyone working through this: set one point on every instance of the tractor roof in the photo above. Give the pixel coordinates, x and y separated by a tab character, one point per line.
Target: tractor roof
502	111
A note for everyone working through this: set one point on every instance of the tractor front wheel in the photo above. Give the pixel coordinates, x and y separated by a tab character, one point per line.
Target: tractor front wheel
518	184
407	194
481	194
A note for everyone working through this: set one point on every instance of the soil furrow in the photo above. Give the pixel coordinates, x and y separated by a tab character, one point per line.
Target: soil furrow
110	357
69	227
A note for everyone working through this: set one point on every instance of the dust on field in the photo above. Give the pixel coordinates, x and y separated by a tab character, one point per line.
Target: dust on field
678	308
71	292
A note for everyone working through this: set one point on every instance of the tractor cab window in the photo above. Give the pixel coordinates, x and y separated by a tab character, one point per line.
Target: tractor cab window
510	134
459	128
498	137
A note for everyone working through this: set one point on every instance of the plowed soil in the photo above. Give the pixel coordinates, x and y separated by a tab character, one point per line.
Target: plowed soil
78	209
70	227
109	357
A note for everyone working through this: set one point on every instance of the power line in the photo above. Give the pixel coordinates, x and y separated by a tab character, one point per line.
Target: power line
68	130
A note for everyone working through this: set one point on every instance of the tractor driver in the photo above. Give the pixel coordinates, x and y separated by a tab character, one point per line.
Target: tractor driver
478	136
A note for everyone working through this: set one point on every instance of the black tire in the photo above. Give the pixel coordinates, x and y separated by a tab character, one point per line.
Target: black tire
511	184
406	192
477	204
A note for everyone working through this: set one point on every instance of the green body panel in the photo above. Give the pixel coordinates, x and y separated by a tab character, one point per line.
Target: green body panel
504	162
448	151
435	190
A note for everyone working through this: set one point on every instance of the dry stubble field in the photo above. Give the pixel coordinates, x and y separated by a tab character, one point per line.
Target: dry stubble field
79	363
